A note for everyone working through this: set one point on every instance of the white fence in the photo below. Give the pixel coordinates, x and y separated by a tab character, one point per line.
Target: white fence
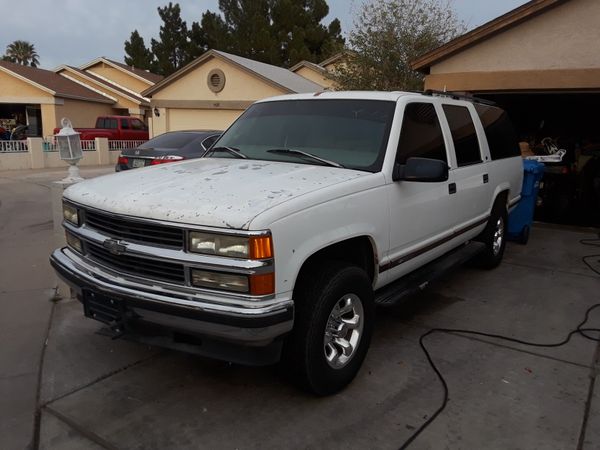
122	145
38	153
13	146
50	145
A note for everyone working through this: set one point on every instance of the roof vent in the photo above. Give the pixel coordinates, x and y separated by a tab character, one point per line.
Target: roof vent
216	80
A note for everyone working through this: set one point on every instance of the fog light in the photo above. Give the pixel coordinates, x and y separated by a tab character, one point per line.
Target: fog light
71	214
74	242
220	281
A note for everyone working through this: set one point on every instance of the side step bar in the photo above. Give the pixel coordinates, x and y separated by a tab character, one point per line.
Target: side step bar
418	280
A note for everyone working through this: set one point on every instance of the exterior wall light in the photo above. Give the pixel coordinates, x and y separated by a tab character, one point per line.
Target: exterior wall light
156	112
69	148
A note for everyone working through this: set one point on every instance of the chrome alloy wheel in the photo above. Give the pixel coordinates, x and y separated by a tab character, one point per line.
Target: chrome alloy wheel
343	331
498	236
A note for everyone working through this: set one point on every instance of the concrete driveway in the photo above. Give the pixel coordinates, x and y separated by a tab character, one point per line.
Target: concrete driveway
64	386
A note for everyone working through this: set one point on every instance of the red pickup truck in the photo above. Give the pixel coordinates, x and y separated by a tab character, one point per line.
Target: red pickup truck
123	128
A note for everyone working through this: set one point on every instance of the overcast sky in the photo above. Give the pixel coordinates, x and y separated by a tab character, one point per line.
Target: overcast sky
77	31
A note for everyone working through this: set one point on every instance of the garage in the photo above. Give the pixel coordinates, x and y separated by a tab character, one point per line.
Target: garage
537	63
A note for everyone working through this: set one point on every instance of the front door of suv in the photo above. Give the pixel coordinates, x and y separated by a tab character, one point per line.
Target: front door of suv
421	214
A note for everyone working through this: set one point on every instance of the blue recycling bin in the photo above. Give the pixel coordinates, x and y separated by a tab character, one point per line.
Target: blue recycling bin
521	218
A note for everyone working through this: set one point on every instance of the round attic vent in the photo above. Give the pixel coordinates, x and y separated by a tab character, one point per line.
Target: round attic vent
216	80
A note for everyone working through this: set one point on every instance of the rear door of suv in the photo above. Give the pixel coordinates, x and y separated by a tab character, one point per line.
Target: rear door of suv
470	179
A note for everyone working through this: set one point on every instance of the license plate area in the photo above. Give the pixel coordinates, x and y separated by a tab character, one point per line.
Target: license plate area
138	162
105	309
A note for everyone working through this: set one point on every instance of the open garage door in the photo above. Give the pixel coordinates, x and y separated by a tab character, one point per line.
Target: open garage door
570	191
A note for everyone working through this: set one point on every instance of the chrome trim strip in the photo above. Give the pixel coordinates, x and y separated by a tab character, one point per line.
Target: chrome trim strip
170	254
171	294
180	225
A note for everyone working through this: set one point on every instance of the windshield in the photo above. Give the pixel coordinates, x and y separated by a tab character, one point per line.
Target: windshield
352	133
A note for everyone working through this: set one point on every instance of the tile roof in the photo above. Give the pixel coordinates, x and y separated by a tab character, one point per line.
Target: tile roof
279	75
152	77
58	85
104	82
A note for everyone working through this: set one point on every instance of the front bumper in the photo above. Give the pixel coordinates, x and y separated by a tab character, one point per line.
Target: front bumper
220	326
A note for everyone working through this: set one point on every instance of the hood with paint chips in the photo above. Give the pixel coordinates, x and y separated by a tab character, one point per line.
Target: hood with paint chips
212	192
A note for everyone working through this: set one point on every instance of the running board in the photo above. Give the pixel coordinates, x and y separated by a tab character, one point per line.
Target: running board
416	281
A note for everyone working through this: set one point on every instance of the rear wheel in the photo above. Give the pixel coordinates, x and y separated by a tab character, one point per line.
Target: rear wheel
332	327
494	238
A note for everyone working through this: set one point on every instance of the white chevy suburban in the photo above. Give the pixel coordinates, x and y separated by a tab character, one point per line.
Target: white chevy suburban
308	211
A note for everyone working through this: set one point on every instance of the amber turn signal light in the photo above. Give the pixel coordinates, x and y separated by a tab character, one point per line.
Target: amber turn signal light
261	247
263	284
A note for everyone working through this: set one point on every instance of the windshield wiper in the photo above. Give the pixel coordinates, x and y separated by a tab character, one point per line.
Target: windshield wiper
289	151
231	150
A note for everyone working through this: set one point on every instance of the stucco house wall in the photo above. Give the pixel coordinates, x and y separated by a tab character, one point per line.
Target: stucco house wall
316	76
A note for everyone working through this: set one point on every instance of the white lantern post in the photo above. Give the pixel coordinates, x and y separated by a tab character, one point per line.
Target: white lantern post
69	148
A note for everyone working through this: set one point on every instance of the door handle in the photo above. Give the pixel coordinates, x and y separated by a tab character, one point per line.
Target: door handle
452	188
486	178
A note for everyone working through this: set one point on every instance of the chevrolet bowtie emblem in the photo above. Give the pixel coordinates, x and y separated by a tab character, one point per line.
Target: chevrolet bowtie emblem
114	247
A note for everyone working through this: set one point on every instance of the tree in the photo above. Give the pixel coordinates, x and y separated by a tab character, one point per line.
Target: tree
22	52
172	51
388	35
278	32
137	55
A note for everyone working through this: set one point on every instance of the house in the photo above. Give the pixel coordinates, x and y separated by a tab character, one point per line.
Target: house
39	98
541	63
322	73
215	88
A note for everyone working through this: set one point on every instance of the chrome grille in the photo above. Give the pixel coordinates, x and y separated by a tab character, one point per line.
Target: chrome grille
131	230
147	268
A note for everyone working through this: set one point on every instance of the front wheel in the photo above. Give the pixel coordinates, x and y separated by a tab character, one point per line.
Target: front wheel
333	327
494	238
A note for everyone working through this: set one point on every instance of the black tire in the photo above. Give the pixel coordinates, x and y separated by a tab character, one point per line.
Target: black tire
320	289
492	255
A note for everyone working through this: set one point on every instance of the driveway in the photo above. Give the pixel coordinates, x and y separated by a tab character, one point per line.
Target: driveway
94	392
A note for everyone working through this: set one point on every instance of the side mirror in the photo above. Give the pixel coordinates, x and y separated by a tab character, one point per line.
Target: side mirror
421	169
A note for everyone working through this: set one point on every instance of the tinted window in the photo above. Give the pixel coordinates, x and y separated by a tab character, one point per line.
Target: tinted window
124	124
421	134
111	123
353	133
170	140
137	124
499	130
464	135
100	122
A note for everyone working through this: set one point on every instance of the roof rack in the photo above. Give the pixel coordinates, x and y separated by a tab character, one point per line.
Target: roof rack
457	96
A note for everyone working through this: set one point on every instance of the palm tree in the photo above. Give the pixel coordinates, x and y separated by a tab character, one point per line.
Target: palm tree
22	52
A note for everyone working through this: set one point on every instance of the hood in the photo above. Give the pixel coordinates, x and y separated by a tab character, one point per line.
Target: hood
214	192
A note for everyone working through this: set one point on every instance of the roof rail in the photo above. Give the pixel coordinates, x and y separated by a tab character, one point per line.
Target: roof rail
457	96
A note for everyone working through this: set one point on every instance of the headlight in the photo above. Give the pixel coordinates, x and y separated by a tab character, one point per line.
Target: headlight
221	281
70	214
251	247
74	242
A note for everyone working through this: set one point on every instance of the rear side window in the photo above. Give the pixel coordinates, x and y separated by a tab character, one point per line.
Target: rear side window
124	124
464	135
101	122
499	131
111	123
421	134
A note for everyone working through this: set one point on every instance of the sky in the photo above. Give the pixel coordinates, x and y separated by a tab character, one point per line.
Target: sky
75	32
